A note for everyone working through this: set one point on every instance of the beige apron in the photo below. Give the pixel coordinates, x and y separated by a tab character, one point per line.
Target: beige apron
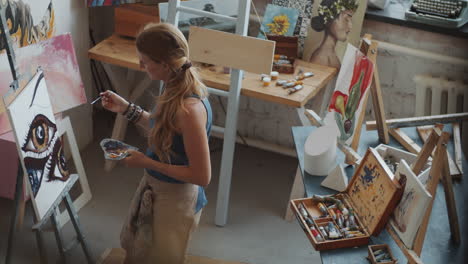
159	234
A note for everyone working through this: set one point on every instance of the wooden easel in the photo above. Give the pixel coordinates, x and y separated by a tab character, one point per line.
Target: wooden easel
19	202
369	48
439	171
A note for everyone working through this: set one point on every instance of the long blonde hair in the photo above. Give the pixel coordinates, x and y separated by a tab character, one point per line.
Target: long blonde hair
164	43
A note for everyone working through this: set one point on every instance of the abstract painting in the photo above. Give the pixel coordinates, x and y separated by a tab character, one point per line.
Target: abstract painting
352	84
278	20
23	30
409	213
56	56
39	144
334	24
110	2
227	8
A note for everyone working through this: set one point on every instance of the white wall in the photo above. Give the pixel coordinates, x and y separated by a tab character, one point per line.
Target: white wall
72	16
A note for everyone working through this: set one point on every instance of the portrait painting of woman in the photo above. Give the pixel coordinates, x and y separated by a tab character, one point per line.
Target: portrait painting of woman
334	23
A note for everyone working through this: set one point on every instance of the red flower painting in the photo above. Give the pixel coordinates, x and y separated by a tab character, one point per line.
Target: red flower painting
346	105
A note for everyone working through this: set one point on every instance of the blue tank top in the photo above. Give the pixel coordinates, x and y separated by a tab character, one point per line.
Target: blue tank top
180	157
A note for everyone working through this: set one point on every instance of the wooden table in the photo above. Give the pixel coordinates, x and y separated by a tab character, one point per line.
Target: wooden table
438	246
121	51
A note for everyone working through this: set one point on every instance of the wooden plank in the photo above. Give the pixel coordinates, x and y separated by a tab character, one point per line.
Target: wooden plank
404	140
379	111
454	170
420	121
313	117
117	256
231	50
117	51
450	200
130	19
426	151
252	86
457	146
409	254
435	175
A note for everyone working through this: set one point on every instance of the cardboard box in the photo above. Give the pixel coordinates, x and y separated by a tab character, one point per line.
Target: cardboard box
371	194
130	19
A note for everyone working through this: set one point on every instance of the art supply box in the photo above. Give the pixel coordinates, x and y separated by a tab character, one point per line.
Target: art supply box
370	197
286	46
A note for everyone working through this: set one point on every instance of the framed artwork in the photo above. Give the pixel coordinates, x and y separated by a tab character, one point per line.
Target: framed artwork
93	3
333	24
227	8
352	85
409	213
23	29
56	56
278	20
39	144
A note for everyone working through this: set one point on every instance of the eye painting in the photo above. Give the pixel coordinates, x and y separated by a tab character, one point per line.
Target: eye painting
39	143
43	153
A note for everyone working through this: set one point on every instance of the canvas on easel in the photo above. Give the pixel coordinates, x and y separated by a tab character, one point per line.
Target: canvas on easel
346	104
409	212
39	145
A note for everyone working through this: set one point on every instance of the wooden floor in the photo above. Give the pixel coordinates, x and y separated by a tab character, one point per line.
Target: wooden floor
117	255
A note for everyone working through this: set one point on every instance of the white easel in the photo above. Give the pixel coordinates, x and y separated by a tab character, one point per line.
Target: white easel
233	96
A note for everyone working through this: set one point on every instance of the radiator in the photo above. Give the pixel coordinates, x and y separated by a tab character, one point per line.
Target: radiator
436	96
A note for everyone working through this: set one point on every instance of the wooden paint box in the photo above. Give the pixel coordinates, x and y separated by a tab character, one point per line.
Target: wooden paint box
287	46
130	19
371	194
385	248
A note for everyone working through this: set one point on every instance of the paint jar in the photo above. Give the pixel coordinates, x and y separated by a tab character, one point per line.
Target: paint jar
266	81
274	75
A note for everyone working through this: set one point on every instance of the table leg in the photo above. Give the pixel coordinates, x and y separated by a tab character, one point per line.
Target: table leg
297	191
302	117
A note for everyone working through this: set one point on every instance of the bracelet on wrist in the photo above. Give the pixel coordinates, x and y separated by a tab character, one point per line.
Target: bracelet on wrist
128	108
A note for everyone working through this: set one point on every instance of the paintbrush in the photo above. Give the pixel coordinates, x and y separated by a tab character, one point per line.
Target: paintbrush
97	99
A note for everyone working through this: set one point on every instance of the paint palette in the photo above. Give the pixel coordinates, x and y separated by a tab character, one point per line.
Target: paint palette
114	149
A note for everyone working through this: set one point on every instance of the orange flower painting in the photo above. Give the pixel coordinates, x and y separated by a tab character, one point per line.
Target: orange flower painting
278	20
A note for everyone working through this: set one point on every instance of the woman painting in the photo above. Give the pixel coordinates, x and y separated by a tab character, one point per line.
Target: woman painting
335	20
177	161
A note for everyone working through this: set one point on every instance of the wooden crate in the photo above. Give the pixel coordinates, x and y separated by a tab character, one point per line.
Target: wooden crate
288	46
131	18
371	194
385	247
